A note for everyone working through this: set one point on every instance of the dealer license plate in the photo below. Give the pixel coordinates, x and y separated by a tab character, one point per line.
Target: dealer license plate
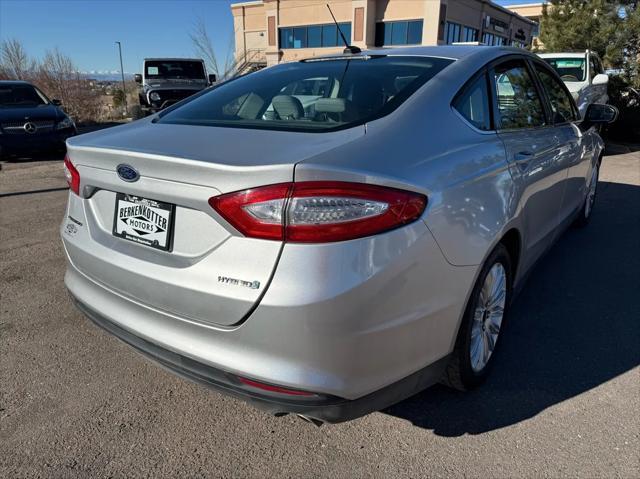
144	221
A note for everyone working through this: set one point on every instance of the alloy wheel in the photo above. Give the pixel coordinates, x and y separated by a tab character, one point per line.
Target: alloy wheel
487	318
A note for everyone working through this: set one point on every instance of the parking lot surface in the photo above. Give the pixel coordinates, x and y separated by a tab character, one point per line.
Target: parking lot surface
563	400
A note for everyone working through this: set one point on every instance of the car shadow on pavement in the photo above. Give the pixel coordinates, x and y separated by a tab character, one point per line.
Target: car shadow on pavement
574	326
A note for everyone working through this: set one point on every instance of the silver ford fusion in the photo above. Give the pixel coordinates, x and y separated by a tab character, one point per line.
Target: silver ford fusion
331	236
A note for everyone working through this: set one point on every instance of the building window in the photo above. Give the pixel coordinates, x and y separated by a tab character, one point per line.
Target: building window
535	32
314	36
452	32
399	33
470	34
491	39
488	38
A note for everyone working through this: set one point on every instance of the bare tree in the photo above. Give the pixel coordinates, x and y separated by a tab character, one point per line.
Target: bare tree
58	77
204	48
203	45
15	64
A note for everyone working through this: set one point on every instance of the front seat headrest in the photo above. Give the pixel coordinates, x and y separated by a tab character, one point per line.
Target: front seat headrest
288	107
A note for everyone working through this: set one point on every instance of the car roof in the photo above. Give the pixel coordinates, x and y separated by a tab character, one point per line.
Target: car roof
14	82
563	55
454	52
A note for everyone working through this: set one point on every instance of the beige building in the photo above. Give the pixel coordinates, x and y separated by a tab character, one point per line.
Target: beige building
273	31
532	11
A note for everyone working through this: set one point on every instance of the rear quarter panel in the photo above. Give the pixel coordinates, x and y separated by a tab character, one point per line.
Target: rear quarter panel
426	146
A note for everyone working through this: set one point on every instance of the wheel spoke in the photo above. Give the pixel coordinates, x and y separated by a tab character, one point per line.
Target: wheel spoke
476	352
497	300
494	324
491	341
498	284
485	350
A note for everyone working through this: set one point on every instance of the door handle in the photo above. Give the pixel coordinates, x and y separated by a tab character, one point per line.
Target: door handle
523	156
522	159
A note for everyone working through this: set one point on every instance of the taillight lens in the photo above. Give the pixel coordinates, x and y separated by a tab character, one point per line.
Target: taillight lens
72	175
318	211
273	389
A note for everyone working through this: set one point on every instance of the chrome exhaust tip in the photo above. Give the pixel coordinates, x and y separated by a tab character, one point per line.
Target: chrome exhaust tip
316	422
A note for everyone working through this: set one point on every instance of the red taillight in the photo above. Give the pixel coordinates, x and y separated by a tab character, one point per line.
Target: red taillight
72	175
273	389
318	211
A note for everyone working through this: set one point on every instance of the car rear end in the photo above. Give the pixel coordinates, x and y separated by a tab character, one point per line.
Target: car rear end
200	247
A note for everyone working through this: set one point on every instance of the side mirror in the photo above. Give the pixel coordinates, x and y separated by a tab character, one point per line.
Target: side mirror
212	78
56	102
598	113
600	79
137	78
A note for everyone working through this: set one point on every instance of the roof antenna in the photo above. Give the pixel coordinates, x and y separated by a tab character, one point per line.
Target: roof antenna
347	48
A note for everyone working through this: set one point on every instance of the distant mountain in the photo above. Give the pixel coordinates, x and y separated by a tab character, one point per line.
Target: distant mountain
107	75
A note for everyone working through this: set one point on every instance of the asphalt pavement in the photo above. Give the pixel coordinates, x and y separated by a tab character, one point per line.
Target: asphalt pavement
563	400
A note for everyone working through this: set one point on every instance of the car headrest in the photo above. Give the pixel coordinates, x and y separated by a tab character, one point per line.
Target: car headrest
251	107
288	107
331	105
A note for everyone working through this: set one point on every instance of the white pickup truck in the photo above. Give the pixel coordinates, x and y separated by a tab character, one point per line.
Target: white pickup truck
583	74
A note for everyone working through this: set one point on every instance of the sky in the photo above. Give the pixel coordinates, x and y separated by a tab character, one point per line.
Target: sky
86	30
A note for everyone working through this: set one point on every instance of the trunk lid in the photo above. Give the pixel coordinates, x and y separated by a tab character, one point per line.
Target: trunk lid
211	274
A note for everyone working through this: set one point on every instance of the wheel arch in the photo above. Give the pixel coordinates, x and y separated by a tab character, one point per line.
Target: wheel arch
512	241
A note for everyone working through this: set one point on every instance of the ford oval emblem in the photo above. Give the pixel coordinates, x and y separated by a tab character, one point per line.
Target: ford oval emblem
127	173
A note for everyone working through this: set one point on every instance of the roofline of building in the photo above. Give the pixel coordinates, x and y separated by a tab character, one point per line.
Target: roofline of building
510	12
495	5
533	4
252	3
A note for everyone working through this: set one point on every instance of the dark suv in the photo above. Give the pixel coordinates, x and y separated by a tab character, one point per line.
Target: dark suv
30	122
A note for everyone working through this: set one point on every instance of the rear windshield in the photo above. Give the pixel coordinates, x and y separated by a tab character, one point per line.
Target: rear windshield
569	69
21	95
319	95
174	69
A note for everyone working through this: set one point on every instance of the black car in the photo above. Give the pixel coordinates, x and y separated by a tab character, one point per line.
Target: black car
30	122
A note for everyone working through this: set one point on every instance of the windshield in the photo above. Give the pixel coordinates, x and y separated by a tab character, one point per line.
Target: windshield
316	95
160	69
21	95
569	69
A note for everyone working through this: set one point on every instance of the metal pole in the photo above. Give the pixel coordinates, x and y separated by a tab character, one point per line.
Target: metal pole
124	86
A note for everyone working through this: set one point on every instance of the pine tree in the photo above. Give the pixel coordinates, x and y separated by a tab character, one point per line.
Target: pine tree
575	25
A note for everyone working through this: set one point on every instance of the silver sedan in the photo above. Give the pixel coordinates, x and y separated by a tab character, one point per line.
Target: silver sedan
331	236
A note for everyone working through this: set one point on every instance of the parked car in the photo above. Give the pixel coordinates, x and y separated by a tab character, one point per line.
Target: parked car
30	122
583	74
331	259
166	81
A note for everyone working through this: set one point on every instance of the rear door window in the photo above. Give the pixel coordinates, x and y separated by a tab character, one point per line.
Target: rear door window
473	103
519	105
560	101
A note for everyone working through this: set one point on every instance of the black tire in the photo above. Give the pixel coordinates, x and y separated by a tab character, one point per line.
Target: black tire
460	374
586	212
137	112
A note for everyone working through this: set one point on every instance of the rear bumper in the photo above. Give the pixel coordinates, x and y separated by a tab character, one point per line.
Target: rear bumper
342	320
325	408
